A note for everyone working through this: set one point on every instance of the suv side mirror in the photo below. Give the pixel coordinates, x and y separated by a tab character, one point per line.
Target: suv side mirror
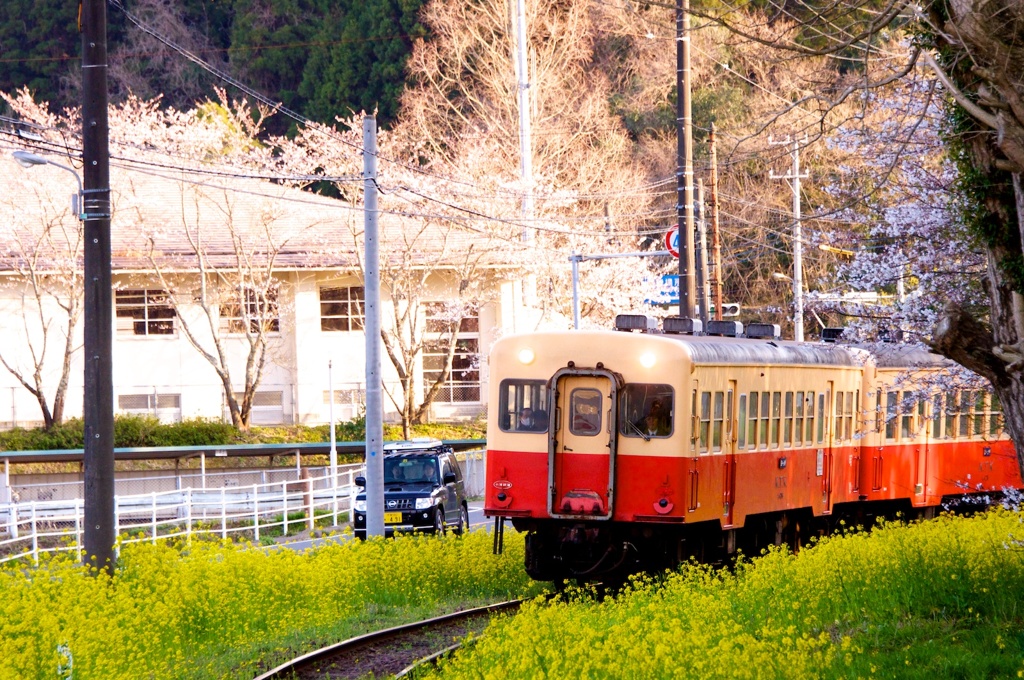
360	481
449	478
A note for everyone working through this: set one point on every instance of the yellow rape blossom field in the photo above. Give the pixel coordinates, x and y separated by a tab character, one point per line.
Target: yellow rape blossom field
940	599
219	610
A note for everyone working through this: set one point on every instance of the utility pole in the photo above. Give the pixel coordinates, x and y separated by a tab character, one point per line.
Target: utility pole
794	178
529	284
684	162
98	404
371	326
703	280
716	239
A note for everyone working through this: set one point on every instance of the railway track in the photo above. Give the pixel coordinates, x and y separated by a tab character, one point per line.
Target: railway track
390	652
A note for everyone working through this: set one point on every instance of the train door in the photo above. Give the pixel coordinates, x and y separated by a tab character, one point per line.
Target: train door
581	450
824	462
729	449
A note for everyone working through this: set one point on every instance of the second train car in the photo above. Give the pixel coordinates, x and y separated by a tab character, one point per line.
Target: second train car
624	451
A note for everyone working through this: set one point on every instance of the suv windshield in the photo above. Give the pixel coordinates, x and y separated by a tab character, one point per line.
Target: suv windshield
411	470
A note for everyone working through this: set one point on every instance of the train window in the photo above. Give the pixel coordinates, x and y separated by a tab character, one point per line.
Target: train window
822	415
523	406
979	413
787	424
891	399
921	422
907	417
752	432
937	417
966	399
839	416
810	418
646	410
718	419
705	420
878	410
995	418
765	410
950	415
693	429
741	432
798	428
776	417
585	407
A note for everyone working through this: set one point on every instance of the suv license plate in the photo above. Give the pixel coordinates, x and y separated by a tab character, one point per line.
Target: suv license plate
392	518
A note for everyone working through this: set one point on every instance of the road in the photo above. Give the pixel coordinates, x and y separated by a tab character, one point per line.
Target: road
477	522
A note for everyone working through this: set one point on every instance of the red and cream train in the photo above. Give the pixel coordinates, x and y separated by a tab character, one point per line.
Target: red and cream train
752	442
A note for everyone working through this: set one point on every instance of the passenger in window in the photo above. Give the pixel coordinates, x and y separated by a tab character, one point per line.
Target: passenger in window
540	420
656	422
527	421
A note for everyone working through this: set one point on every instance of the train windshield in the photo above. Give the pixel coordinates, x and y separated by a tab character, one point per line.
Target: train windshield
646	410
523	406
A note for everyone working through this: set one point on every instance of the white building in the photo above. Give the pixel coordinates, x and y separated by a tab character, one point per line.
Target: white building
173	232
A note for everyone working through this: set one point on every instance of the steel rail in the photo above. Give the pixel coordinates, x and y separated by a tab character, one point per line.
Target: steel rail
299	663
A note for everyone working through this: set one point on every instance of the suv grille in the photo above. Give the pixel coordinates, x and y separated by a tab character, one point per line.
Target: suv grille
398	504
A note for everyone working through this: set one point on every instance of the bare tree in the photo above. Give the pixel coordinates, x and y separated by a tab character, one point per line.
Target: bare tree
44	272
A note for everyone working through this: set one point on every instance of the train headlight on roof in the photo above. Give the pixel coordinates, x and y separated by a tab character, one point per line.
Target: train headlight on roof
526	355
647	359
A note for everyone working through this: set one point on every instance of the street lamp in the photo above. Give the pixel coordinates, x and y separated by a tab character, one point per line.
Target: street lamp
27	159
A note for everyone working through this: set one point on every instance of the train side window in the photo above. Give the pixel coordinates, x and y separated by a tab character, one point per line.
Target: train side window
705	420
878	410
718	419
950	415
979	413
516	395
585	409
937	417
798	429
921	422
965	413
693	413
995	416
852	409
646	410
822	415
839	417
762	440
891	399
752	432
741	431
809	438
776	417
787	424
907	416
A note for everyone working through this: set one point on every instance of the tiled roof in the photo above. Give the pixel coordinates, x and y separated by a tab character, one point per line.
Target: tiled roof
171	215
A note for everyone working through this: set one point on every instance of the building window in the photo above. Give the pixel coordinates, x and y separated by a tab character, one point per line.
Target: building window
144	312
165	407
463	382
341	309
252	311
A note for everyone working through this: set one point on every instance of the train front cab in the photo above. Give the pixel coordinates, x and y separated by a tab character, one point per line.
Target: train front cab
589	482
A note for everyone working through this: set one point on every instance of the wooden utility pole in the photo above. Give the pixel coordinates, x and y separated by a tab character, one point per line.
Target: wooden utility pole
716	239
684	163
98	405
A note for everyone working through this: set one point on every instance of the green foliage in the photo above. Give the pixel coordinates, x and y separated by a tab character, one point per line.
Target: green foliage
934	599
40	44
211	609
131	431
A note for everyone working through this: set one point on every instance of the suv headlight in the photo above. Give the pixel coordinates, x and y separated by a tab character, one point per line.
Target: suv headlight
359	506
425	503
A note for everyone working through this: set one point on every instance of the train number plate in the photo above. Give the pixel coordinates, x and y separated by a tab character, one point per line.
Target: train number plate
392	518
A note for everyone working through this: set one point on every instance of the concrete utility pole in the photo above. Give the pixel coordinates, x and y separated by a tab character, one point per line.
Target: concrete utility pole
98	405
794	178
716	239
371	326
525	134
684	162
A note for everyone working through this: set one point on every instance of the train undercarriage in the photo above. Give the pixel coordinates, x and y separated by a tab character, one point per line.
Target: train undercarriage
583	551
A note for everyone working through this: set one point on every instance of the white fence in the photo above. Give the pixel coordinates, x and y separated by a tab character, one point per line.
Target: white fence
29	529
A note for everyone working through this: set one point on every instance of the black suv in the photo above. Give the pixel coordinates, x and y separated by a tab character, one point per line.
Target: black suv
423	490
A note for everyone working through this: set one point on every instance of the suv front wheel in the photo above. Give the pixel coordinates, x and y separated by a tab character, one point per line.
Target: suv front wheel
439	527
